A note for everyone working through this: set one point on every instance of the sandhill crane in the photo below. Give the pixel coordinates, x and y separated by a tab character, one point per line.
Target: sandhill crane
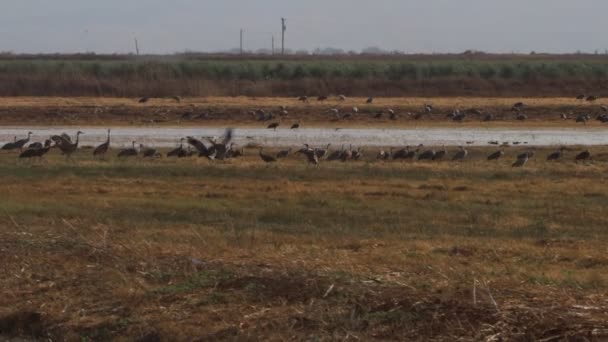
591	98
440	154
103	148
322	98
179	151
128	152
144	99
35	145
557	154
357	154
148	152
496	155
522	159
347	154
519	106
392	114
583	118
295	125
341	98
602	118
266	157
604	108
370	100
462	154
236	153
20	143
459	117
219	149
563	116
64	145
303	98
335	155
580	97
410	154
321	152
36	152
585	155
427	155
355	110
203	151
383	155
283	153
311	154
428	108
9	145
399	154
454	113
273	125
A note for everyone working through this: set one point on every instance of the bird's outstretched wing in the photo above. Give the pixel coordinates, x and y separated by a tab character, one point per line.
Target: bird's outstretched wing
227	136
60	140
200	147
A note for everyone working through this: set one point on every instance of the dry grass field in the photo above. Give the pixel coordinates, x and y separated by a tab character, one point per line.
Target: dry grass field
193	250
226	111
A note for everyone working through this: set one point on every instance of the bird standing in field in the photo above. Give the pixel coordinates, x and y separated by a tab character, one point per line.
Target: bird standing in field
283	153
591	98
17	144
65	145
461	155
440	154
556	155
585	155
522	159
36	152
179	151
427	155
370	100
148	152
273	125
496	155
144	99
266	157
128	152
295	125
102	149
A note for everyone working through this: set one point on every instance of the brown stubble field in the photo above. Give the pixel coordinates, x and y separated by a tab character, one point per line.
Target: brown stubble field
236	111
192	250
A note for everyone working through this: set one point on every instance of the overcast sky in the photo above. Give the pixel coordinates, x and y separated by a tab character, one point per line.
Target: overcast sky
167	26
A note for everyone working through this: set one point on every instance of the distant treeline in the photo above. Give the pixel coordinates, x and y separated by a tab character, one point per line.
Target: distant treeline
452	75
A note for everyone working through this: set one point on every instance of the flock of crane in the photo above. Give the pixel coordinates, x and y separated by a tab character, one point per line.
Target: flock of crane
224	149
456	115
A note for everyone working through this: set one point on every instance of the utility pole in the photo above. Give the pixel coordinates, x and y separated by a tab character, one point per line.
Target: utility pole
136	47
283	29
241	42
